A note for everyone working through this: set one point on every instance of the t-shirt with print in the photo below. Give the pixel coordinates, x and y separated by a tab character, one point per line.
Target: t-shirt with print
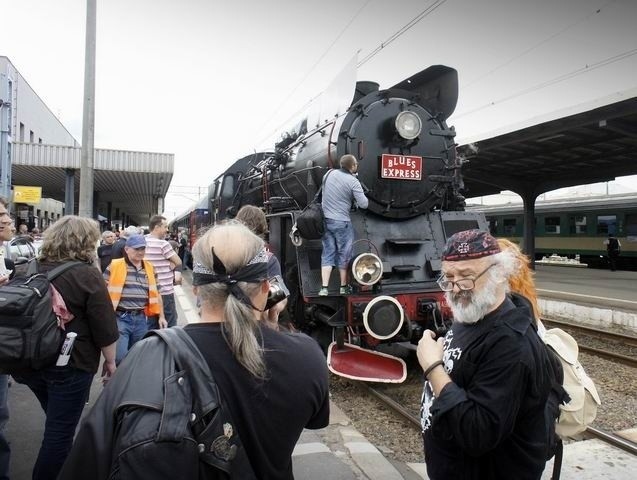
158	252
489	421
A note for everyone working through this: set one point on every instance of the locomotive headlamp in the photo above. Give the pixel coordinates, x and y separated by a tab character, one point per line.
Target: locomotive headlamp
408	125
367	269
383	317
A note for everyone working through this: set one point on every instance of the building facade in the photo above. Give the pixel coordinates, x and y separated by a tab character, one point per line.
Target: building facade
25	118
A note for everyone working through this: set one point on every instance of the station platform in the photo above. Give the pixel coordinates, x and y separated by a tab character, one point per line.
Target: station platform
592	296
339	451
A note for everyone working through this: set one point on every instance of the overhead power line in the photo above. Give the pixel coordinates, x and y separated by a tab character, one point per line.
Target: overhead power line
585	69
306	76
537	45
401	31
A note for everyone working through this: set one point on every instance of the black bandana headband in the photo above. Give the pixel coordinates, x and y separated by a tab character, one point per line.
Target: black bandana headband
255	271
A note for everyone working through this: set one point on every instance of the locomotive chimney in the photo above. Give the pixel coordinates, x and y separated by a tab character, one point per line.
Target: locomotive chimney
364	88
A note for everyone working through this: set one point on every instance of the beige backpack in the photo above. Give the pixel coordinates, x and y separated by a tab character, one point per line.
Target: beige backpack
580	412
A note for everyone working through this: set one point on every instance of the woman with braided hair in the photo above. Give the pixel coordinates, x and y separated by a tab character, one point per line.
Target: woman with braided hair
257	371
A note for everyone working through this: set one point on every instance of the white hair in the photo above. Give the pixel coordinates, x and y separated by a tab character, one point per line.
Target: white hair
507	265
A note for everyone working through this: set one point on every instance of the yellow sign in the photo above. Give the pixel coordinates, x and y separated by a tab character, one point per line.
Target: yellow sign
23	194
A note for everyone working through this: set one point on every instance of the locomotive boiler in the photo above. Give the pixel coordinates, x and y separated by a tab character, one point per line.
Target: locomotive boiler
410	173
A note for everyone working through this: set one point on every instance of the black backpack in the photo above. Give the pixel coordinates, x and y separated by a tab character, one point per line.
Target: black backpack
31	336
161	416
310	223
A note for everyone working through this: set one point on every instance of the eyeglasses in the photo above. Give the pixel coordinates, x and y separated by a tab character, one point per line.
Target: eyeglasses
462	284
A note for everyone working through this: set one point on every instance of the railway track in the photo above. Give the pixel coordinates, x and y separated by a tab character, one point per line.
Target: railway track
628	340
591	432
395	406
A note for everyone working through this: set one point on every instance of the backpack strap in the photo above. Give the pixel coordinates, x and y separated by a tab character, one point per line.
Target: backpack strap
557	460
215	429
319	195
60	269
34	269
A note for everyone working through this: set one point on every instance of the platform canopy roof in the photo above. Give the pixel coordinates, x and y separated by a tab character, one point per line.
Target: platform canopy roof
134	183
586	144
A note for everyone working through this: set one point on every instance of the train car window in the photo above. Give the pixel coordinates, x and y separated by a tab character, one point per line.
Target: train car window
455	226
607	224
577	224
631	225
510	226
552	225
228	187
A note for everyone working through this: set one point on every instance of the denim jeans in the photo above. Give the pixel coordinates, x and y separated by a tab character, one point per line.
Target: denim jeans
170	312
62	393
337	243
132	327
5	450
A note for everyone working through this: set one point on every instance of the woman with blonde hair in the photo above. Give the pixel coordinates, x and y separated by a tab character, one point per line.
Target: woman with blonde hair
257	369
63	390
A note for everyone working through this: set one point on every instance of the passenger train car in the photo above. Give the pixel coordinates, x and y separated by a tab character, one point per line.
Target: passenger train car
573	226
412	177
192	221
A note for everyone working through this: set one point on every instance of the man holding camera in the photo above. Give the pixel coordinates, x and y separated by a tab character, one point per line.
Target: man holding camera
254	218
487	380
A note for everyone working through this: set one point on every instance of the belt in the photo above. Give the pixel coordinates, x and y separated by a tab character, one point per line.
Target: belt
129	310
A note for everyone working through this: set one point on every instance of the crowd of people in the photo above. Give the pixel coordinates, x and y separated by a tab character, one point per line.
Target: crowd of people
486	381
116	299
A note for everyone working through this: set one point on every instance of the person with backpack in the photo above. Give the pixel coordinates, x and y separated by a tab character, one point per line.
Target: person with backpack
137	431
613	249
489	378
63	390
341	188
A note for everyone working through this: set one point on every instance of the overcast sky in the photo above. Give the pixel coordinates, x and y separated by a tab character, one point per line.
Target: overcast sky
210	80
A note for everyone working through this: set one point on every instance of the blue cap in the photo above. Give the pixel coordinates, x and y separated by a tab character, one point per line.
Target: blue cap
136	241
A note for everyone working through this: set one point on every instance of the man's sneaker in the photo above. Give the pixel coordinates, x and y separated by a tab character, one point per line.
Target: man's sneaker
323	292
345	290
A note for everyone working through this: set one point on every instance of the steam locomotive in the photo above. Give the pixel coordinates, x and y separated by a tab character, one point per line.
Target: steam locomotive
410	173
